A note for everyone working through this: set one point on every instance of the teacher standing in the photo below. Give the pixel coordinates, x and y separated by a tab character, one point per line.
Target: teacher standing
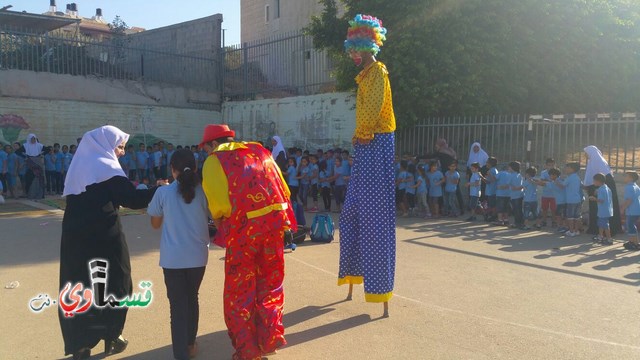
367	221
95	187
596	164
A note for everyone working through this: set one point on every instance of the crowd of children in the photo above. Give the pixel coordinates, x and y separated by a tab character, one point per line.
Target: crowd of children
321	175
507	193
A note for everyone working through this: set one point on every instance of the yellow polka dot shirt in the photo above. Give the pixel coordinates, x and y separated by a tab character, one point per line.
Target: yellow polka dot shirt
374	109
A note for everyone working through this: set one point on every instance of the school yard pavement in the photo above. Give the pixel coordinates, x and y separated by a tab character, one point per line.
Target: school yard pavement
463	291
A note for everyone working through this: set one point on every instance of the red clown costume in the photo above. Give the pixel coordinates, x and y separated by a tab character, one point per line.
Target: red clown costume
249	201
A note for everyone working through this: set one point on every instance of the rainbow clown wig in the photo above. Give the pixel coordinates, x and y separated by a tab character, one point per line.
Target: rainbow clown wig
365	34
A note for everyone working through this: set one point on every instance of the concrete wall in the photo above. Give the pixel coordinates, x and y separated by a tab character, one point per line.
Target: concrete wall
309	122
63	121
40	85
294	15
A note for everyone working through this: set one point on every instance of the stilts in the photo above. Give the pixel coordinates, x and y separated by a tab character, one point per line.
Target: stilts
386	310
350	296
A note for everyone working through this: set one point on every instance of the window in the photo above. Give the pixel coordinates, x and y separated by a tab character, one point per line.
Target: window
266	13
276	10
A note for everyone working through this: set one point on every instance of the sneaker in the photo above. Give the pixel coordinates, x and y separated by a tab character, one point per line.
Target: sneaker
471	218
597	239
562	229
631	246
570	234
606	242
525	228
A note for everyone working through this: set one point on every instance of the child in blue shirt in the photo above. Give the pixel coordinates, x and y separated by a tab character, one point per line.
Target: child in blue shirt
50	170
503	197
452	178
436	179
631	208
324	180
401	184
314	170
341	169
59	160
605	209
292	179
410	188
66	162
548	204
530	198
133	169
560	199
303	177
141	162
474	185
491	189
421	191
573	192
517	194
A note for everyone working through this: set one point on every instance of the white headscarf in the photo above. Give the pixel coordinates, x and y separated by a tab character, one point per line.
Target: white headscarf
95	161
596	164
34	149
480	157
278	148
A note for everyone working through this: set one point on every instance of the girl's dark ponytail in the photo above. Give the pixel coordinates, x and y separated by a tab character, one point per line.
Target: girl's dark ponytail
184	163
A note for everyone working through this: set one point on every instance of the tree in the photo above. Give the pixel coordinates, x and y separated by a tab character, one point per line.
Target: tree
119	39
493	56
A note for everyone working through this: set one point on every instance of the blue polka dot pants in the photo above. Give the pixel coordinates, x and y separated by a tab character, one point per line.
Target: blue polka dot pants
368	221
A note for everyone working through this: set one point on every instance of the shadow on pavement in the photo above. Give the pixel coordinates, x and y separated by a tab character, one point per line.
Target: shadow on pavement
211	346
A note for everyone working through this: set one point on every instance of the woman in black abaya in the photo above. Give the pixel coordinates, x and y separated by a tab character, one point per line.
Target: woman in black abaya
95	187
597	164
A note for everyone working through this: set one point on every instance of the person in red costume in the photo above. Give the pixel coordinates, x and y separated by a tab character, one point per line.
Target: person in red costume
250	204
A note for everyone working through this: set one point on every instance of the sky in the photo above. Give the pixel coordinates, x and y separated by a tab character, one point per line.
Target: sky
148	14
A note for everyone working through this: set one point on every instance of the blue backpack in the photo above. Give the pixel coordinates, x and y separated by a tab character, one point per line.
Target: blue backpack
322	228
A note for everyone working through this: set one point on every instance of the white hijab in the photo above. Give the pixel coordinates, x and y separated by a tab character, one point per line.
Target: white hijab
596	164
479	157
278	148
34	149
95	160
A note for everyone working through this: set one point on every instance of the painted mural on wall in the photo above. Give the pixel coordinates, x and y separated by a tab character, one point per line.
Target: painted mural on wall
10	127
308	122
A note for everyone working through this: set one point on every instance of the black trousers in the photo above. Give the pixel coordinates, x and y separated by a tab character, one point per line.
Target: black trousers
5	187
326	198
518	215
182	291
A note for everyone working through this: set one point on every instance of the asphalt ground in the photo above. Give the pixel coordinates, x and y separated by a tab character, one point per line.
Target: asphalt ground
463	291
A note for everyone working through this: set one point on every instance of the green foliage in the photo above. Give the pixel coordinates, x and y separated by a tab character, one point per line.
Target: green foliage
460	57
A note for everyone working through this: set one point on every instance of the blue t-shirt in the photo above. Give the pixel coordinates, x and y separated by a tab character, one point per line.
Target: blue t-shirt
515	182
434	178
422	185
141	160
330	166
530	190
132	161
3	157
402	177
304	172
632	192
324	174
185	235
66	161
573	189
59	161
50	162
474	190
169	154
124	161
151	162
492	184
503	179
291	176
547	191
558	192
341	172
12	164
450	183
411	182
157	158
313	170
605	204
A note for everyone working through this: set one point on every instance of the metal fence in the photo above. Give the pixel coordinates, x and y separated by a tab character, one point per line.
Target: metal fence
281	66
532	138
110	59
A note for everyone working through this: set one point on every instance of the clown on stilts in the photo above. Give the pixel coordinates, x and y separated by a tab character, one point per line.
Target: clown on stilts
249	203
367	221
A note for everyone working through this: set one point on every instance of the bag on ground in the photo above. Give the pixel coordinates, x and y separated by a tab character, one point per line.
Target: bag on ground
322	228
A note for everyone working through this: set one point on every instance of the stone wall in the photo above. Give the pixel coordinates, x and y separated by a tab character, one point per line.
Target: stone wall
309	122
